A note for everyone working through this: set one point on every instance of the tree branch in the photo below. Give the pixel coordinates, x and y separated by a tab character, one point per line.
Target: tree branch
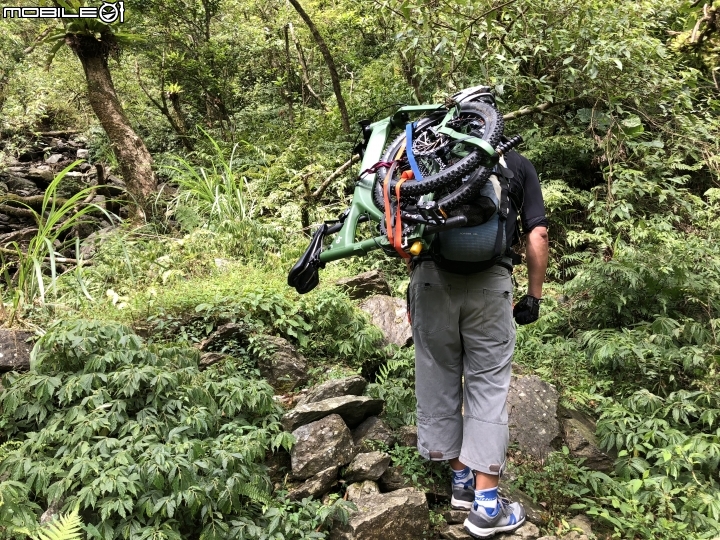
338	172
42	35
538	108
303	66
328	61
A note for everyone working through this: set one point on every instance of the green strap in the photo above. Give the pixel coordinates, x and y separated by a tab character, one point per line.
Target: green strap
475	141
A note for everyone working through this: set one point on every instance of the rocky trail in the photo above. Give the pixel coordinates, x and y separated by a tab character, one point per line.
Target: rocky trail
338	430
25	178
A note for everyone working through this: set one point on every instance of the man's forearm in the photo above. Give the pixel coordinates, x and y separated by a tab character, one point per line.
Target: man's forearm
537	260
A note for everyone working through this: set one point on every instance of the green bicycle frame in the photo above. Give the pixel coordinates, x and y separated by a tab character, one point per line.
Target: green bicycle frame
345	244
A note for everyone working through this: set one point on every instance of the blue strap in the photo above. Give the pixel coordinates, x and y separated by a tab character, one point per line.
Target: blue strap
408	150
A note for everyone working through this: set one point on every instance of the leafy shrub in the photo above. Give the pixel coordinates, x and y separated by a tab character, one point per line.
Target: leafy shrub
395	383
668	459
16	511
144	443
54	222
216	191
338	330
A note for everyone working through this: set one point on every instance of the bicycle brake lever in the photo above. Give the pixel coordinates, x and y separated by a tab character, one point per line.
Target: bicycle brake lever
452	223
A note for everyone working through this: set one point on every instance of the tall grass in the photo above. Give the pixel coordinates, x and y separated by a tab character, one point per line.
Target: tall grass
56	217
217	192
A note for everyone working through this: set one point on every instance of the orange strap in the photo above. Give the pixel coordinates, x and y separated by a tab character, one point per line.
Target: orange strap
398	223
386	197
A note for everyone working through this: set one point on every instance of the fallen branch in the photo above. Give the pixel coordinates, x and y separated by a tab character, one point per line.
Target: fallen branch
338	172
538	108
34	201
60	260
56	133
17	212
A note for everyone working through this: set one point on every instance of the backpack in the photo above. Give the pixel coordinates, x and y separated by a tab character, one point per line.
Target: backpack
482	243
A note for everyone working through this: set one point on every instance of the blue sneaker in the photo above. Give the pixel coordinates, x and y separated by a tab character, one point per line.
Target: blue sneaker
484	523
463	490
462	497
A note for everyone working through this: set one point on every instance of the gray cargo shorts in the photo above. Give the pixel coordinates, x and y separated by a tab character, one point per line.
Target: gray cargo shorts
462	326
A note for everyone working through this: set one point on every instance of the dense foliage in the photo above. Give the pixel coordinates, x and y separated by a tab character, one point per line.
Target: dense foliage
144	443
619	105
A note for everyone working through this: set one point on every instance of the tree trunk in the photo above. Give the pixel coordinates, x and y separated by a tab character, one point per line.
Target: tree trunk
328	60
132	154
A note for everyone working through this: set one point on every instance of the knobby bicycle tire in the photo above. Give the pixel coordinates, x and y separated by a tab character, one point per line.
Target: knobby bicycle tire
462	169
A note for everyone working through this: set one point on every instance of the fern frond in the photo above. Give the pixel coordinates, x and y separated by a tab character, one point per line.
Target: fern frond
254	493
67	527
7	447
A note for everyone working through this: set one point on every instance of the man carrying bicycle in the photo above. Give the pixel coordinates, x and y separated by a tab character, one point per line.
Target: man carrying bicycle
463	327
460	295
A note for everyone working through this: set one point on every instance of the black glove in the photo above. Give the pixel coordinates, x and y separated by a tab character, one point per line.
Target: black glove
527	310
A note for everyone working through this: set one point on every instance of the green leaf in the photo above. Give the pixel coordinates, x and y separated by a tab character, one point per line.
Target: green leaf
66	527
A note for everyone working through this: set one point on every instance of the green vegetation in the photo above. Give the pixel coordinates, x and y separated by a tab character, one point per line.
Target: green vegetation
145	443
618	104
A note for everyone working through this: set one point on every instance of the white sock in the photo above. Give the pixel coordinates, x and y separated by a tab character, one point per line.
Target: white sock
463	477
487	498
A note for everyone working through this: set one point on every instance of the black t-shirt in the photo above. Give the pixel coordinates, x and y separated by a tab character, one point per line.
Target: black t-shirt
526	201
526	195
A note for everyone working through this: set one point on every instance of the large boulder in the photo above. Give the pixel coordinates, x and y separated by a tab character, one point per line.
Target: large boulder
367	466
532	416
389	314
283	367
223	334
373	429
90	245
316	486
366	284
579	433
43	173
360	490
392	480
321	445
349	386
22	186
352	409
208	359
407	436
14	350
400	515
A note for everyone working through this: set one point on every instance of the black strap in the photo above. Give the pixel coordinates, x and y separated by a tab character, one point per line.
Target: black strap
503	211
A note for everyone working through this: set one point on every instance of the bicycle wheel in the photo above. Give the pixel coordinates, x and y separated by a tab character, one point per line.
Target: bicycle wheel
441	159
